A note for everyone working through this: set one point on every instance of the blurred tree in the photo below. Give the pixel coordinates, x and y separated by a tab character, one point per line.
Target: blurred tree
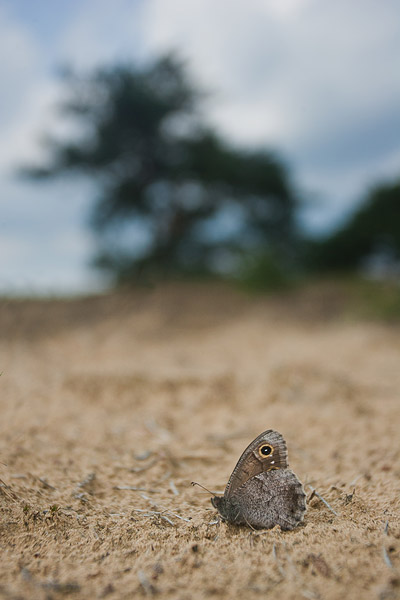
164	178
374	230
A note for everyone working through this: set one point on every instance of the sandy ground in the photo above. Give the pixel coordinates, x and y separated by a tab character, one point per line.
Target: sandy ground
110	407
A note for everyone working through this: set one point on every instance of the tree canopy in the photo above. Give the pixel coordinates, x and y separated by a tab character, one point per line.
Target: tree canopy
164	177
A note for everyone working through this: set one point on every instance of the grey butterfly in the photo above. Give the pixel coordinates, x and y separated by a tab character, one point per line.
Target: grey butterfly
262	492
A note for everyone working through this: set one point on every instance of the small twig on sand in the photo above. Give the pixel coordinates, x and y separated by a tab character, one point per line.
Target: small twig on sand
311	495
384	551
258	532
147	513
87	481
292	565
148	499
153	427
144	468
150	513
386	558
134	488
386	528
154	513
315	493
45	484
167	519
354	481
6	490
163	511
179	517
280	569
173	488
148	588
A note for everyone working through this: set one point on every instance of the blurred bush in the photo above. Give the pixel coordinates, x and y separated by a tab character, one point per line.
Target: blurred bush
264	272
377	299
368	242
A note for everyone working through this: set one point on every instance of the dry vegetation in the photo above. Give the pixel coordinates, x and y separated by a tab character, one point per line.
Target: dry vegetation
112	406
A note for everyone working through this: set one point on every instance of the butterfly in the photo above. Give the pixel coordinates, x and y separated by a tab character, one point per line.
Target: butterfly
262	492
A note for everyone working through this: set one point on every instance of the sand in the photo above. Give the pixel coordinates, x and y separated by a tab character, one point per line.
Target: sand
111	406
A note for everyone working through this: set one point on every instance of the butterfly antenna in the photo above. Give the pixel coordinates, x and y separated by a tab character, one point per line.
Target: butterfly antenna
202	486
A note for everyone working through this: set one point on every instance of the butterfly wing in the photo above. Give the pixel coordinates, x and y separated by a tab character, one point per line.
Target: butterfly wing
270	498
266	453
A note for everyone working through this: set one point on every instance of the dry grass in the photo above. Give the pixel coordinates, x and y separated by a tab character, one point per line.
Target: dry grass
112	406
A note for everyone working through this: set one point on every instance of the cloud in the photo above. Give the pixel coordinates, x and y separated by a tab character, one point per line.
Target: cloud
27	93
102	32
43	244
316	80
18	66
308	64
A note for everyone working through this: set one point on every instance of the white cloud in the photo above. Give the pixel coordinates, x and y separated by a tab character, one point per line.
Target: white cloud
299	70
43	244
20	58
102	31
27	93
316	80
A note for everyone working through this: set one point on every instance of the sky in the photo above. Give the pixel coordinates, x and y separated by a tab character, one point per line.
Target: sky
315	80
